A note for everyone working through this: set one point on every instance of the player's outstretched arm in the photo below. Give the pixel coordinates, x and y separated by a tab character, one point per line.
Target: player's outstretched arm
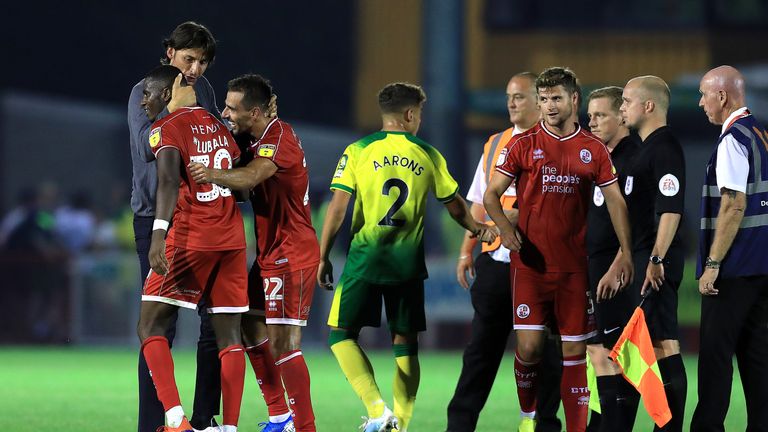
617	209
459	211
244	178
168	177
334	217
499	183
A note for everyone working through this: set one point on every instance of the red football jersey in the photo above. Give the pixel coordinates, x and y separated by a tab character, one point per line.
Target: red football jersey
287	240
554	183
206	217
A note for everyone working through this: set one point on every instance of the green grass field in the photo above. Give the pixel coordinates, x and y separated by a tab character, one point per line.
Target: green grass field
84	390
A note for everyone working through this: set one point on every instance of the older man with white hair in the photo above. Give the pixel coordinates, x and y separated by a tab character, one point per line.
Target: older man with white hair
732	265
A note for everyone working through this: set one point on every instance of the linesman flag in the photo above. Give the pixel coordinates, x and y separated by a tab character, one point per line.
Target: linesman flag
634	354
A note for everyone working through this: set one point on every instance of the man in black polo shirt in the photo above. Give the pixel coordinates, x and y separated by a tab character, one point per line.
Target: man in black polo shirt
654	190
613	308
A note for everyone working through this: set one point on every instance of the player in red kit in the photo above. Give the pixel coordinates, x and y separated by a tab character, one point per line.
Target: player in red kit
555	164
288	249
204	252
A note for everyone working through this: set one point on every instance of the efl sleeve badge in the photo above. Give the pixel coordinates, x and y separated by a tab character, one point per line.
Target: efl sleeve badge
154	137
266	150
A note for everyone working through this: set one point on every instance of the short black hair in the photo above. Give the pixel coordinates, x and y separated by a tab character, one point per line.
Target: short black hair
555	76
398	97
191	35
164	75
256	90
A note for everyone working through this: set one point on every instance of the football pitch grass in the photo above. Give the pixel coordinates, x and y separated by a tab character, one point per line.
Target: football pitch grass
92	389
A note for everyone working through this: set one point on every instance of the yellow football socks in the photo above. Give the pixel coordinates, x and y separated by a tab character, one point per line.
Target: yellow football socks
406	383
358	370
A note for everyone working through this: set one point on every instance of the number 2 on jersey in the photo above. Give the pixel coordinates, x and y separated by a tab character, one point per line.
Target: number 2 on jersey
388	219
216	190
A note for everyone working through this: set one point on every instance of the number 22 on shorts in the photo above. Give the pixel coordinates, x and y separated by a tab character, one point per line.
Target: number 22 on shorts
277	285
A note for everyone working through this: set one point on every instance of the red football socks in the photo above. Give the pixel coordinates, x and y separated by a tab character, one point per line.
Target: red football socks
526	377
157	353
575	393
268	377
295	375
232	377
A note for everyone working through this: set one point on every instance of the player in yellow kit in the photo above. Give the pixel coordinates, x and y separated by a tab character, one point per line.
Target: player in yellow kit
390	173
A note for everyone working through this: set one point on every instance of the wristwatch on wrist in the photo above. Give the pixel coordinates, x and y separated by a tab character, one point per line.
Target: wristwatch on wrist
655	259
711	264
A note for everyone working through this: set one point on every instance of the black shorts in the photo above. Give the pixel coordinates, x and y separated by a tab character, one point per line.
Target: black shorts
610	315
492	277
660	307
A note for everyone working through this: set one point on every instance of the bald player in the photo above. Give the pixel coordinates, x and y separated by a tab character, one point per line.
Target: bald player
732	265
654	189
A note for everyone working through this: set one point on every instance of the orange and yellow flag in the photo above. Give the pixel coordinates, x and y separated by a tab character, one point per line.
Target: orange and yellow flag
634	354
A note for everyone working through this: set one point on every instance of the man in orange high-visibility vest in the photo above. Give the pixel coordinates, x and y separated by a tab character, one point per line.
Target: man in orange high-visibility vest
491	291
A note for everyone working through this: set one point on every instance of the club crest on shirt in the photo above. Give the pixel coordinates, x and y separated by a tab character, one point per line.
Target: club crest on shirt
154	137
669	185
341	165
585	156
628	184
523	311
502	156
266	150
538	154
598	197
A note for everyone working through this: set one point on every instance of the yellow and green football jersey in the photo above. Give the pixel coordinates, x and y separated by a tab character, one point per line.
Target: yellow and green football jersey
390	174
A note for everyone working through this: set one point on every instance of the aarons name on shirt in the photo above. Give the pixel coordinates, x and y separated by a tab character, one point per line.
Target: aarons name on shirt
399	161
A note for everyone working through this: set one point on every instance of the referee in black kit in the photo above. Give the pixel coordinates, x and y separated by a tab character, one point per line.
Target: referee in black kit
613	308
655	188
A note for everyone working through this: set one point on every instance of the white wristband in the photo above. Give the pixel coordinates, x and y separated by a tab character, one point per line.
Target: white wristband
160	224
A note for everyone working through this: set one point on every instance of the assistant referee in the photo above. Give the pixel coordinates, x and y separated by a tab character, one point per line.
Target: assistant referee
654	189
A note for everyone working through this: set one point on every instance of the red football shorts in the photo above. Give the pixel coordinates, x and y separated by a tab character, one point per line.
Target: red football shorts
541	298
284	298
219	275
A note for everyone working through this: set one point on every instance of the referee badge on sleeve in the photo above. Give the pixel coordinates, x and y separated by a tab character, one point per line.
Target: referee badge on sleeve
669	185
628	185
598	197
